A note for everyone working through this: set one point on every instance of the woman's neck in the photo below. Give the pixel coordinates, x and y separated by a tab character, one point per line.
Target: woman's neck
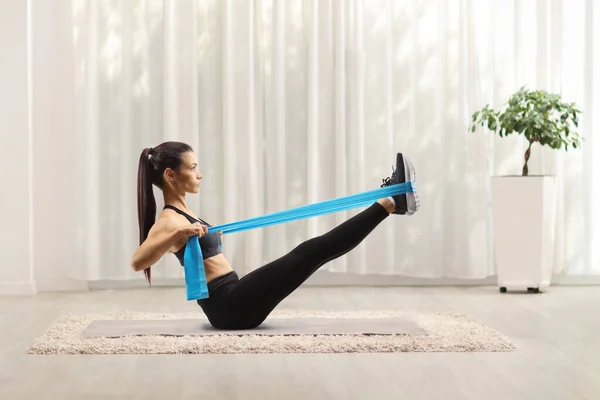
175	200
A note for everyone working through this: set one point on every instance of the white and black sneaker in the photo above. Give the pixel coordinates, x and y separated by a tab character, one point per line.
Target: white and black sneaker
406	204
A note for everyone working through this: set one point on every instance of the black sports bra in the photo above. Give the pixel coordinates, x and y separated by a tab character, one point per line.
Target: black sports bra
209	243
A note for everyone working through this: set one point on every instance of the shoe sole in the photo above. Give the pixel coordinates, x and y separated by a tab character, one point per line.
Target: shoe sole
409	201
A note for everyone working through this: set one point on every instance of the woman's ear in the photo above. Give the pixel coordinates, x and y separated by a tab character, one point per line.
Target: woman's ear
169	175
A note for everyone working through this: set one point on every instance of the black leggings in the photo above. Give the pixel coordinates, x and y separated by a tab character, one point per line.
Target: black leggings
245	303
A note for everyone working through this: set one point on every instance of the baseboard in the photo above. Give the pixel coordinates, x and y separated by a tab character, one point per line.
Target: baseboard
135	284
576	280
62	285
18	289
324	278
319	279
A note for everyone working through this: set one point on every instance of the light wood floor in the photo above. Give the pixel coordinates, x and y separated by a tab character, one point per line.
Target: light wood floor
558	335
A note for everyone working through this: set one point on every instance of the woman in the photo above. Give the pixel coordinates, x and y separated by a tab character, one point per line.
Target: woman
244	303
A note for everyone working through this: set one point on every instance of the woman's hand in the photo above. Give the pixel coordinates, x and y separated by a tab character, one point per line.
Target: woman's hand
194	229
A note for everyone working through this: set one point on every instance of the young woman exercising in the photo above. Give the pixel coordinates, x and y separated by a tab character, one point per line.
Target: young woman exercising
241	303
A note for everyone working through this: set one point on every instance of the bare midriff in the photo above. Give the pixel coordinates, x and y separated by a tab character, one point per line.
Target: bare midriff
216	266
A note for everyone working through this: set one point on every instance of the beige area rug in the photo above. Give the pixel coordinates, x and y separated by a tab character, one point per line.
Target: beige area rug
441	332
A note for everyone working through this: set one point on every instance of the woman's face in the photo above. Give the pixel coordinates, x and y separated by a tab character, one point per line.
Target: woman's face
187	179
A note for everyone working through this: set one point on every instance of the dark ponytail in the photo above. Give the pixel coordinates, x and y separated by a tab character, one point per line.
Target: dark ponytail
153	163
145	199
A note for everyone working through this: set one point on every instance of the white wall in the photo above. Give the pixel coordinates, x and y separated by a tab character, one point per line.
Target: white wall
15	240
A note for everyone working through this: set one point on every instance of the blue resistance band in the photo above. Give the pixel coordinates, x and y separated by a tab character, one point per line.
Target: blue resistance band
195	277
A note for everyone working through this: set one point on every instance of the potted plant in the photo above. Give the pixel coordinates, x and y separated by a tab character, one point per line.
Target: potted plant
523	206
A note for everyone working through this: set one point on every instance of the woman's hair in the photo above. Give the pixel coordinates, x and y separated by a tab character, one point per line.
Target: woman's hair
152	165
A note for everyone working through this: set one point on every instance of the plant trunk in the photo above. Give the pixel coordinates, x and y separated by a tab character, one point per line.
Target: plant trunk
527	155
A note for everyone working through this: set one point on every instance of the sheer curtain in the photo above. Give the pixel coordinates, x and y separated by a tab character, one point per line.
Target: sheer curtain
552	45
290	103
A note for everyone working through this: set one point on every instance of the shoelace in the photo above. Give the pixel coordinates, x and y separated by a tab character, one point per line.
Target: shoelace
388	181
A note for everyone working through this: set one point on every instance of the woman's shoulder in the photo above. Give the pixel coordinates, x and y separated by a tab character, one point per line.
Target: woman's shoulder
183	215
168	220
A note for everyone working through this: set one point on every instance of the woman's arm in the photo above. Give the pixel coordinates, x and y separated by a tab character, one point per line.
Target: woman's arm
162	236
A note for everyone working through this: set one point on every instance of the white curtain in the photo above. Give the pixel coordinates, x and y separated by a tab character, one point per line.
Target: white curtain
288	103
552	45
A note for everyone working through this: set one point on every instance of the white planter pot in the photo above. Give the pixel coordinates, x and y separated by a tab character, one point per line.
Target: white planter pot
524	222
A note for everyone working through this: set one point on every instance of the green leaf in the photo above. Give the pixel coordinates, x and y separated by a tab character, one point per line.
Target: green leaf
537	115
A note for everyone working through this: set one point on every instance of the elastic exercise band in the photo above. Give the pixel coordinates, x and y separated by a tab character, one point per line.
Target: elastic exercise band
195	277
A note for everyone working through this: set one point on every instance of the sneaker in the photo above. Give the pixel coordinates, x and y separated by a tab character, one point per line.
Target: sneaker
406	204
